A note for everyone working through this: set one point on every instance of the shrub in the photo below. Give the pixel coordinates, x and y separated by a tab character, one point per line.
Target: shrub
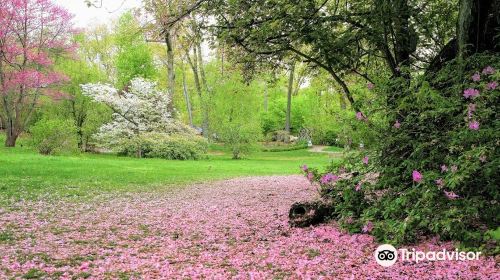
159	145
51	136
438	160
240	138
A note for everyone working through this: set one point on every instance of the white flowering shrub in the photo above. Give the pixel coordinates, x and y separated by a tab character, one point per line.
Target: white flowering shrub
140	109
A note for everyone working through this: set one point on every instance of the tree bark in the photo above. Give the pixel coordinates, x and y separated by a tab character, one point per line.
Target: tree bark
186	96
289	98
11	134
170	69
478	24
206	90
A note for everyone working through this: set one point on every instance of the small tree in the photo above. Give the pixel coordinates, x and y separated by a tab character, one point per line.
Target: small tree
31	33
141	108
235	115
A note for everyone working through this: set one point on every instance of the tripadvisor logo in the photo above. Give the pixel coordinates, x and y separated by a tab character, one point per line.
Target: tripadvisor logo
386	255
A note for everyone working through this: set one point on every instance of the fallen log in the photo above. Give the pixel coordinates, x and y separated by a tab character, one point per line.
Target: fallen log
304	214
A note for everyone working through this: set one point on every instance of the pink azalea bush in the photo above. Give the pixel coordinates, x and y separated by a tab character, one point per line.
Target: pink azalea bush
436	173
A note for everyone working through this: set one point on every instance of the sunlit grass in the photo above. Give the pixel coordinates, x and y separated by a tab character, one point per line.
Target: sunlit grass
25	174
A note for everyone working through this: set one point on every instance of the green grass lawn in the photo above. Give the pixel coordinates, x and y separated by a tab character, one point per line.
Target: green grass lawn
28	175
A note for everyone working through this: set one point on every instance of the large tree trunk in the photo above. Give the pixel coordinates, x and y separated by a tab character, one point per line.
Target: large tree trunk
11	134
477	31
170	69
478	25
206	90
289	98
186	96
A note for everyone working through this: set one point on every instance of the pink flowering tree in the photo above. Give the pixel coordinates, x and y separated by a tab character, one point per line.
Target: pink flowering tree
32	33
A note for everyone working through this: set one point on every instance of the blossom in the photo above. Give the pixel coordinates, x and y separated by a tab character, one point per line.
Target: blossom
489	70
212	229
143	107
365	160
451	195
417	176
368	227
370	86
304	168
349	220
471	92
454	168
444	168
84	266
471	108
358	187
476	77
482	158
310	176
360	116
329	177
492	85
397	124
440	182
474	125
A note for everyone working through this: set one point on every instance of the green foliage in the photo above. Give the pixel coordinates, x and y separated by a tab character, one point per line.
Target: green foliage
87	115
234	117
159	145
51	136
134	57
457	199
240	138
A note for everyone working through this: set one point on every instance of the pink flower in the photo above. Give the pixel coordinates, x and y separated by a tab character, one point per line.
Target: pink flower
451	195
304	168
471	92
84	266
476	77
368	227
310	176
444	168
360	116
454	168
489	70
417	176
397	124
365	160
370	86
358	187
471	108
474	125
482	158
329	177
492	85
440	183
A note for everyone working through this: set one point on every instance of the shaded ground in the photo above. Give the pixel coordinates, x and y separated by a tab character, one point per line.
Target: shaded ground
229	229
